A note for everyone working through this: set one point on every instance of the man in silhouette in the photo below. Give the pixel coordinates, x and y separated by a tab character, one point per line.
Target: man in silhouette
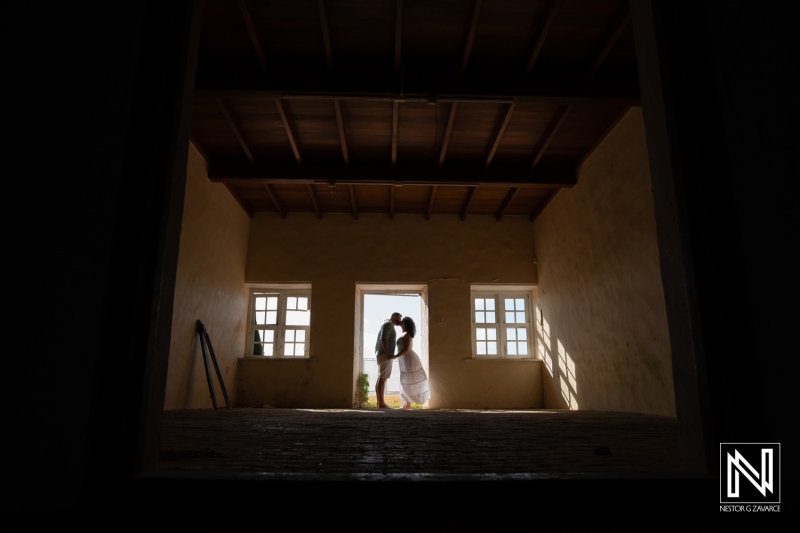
384	352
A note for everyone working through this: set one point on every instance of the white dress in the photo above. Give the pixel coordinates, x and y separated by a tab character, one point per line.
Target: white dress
414	385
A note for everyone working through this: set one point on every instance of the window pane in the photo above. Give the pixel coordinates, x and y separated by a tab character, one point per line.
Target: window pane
260	317
490	304
492	333
511	333
261	303
512	348
269	349
492	348
520	317
480	334
299	349
520	304
523	348
509	303
509	318
272	302
490	317
289	335
522	333
272	317
302	303
258	348
479	317
481	348
291	302
288	349
479	304
300	335
298	318
268	335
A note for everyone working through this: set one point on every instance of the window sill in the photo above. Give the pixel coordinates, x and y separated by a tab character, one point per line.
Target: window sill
520	360
270	358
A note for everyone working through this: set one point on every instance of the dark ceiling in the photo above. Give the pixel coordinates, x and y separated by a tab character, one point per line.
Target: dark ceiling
428	107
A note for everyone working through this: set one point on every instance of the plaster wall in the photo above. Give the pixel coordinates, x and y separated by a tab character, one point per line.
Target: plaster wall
601	309
336	253
209	287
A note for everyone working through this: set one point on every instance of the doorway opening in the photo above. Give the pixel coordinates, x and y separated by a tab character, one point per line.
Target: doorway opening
374	304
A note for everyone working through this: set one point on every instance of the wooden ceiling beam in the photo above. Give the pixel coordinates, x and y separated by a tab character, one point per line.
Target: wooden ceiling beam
623	19
540	209
553	99
611	126
506	202
473	28
555	125
430	203
552	88
542	176
447	131
287	125
468	203
235	129
326	35
251	31
275	200
238	199
398	35
542	34
499	136
342	138
193	140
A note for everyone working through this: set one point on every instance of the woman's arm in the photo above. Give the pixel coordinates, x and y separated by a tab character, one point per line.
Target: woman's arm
406	346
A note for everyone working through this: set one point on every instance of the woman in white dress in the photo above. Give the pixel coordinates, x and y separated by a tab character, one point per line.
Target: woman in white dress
413	379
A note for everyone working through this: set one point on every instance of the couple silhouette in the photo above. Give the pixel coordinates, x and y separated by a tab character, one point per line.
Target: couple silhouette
414	387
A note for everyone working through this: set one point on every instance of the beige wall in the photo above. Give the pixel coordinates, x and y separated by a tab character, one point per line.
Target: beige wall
606	344
209	287
337	252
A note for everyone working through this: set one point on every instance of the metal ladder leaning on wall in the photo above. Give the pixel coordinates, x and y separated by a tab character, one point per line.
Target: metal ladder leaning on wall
205	343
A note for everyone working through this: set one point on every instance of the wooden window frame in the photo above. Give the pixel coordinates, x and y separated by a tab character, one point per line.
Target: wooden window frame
500	294
283	293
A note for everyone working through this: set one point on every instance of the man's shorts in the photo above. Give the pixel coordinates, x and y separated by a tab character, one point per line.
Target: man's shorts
385	366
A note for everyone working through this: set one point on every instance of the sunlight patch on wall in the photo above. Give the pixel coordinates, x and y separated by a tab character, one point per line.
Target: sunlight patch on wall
543	341
569	383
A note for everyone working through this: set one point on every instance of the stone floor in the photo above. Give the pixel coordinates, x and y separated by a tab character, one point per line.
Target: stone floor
375	442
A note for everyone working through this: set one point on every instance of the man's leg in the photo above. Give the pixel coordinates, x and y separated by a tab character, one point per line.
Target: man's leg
381	400
384	371
379	392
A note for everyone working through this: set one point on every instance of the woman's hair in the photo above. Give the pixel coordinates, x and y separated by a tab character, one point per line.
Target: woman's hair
411	328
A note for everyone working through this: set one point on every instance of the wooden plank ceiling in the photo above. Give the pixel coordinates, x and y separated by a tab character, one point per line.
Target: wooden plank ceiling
425	107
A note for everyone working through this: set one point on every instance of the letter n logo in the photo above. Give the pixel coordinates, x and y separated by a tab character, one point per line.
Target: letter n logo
750	472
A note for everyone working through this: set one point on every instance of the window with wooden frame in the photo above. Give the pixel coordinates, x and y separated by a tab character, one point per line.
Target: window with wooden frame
501	324
278	324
